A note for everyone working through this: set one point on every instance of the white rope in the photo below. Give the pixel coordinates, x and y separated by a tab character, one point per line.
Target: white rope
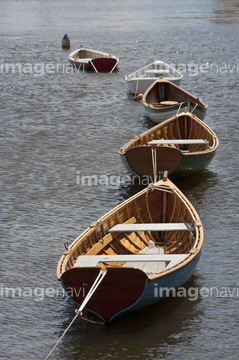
92	290
62	336
179	108
113	67
154	163
97	282
94	67
137	83
160	187
194	108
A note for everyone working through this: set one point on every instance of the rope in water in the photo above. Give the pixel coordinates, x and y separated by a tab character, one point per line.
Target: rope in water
97	282
62	336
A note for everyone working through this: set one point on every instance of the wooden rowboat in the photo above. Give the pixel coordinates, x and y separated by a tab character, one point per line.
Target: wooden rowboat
164	99
140	80
97	61
183	145
152	240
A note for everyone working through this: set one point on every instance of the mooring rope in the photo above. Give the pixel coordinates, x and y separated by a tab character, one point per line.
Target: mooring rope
97	282
154	163
137	83
194	108
152	186
62	336
94	67
165	188
113	67
179	108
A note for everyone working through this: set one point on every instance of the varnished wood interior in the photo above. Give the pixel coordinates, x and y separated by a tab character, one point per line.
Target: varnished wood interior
183	126
162	90
152	206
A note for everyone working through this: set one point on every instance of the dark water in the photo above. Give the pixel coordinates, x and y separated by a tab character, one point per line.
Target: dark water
57	124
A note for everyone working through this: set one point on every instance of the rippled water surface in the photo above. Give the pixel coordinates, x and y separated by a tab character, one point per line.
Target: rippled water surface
57	124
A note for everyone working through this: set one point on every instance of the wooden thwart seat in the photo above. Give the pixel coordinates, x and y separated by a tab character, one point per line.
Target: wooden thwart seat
93	260
164	104
152	227
157	71
178	141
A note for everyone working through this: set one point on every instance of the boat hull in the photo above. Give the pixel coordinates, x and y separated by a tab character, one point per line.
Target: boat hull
159	115
158	289
123	290
139	86
139	81
97	61
191	165
100	64
188	164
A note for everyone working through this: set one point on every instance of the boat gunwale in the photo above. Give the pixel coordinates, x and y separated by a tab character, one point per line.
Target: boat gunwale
132	143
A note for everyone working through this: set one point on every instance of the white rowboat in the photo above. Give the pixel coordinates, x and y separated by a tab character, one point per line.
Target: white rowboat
139	81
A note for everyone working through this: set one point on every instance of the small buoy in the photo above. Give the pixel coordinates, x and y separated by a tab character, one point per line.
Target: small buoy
65	41
139	97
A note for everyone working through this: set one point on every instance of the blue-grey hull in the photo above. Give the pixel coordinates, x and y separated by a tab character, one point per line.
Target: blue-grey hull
162	287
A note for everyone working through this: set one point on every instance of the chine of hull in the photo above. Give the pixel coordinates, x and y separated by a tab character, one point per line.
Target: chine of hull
123	290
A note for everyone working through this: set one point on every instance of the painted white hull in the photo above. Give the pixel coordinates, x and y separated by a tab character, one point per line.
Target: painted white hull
139	86
139	81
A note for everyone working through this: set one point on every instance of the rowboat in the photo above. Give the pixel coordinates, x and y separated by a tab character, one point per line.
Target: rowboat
140	80
164	99
183	145
93	60
151	241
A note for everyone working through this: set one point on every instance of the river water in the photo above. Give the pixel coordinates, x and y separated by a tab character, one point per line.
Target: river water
58	125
